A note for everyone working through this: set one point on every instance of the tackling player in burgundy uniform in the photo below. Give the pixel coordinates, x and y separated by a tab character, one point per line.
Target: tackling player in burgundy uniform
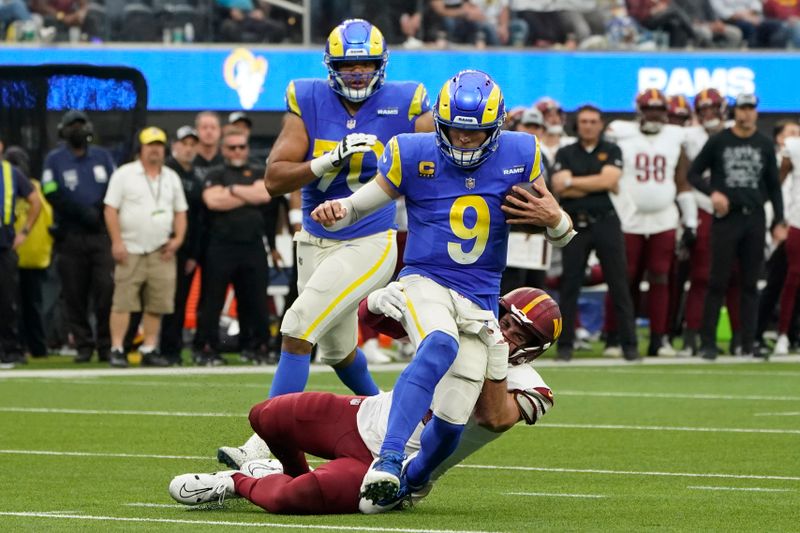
348	430
653	174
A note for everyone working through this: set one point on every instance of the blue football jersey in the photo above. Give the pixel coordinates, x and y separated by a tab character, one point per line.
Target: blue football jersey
457	233
392	110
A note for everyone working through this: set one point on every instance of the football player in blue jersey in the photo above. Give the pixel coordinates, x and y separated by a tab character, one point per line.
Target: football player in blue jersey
455	182
333	134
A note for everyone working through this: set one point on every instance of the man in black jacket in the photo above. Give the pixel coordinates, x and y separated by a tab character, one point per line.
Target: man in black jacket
744	173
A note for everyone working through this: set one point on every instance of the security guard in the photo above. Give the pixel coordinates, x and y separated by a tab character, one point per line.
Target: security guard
583	175
13	185
74	181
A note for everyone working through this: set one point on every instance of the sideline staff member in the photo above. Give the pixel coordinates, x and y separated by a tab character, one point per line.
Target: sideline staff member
236	198
584	173
744	172
74	181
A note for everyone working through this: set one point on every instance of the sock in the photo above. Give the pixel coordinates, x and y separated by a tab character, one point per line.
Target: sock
413	392
357	377
118	349
146	350
438	441
291	374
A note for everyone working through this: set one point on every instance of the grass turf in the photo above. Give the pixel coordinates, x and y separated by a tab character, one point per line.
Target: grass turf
626	448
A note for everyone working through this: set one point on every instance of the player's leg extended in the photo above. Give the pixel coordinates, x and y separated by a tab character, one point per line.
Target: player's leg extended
330	489
453	403
430	321
333	277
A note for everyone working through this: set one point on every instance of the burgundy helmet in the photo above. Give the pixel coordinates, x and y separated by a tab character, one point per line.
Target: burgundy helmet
539	317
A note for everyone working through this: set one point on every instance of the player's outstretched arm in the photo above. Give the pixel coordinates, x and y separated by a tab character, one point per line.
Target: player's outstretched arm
338	214
496	409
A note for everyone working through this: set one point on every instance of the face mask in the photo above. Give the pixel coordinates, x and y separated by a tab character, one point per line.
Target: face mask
555	129
78	136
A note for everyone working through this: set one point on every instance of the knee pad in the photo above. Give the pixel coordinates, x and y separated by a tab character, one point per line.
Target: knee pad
331	358
255	415
291	323
434	356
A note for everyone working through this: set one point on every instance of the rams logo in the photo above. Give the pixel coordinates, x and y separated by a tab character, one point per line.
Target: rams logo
245	74
426	169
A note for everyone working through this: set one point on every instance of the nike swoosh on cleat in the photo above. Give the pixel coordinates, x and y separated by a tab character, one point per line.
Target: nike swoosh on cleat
185	493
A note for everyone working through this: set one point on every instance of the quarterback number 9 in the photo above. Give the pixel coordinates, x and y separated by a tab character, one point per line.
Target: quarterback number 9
479	231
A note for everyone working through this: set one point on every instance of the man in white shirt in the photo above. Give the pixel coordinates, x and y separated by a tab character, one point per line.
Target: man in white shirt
145	212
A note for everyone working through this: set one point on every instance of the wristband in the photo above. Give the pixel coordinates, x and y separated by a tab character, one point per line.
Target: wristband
321	165
561	230
295	216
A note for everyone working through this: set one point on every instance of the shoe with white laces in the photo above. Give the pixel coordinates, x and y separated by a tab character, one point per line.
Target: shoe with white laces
197	489
381	483
405	496
781	346
374	354
261	468
235	457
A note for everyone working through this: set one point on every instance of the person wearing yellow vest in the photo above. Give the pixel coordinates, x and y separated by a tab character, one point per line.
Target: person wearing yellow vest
34	254
13	185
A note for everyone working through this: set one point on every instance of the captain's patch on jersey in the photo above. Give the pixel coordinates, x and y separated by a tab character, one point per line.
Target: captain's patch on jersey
426	169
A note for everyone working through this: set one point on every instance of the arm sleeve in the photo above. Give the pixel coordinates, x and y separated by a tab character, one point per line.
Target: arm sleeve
24	185
698	167
113	196
214	177
179	202
380	323
420	103
615	156
391	167
772	183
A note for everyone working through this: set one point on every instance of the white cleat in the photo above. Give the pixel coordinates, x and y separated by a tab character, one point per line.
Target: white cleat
197	489
261	468
781	346
374	354
612	350
666	349
254	448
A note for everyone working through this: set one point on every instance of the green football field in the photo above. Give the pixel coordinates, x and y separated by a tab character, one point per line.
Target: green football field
688	446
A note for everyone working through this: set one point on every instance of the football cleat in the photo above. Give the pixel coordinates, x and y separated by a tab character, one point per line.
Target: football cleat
235	457
404	497
261	468
197	489
381	483
782	346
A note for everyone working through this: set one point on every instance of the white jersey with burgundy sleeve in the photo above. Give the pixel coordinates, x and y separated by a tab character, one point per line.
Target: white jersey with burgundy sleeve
618	130
792	209
647	189
534	398
696	137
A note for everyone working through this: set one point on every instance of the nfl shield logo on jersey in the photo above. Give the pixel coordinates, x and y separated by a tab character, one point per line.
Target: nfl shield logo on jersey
470	183
351	124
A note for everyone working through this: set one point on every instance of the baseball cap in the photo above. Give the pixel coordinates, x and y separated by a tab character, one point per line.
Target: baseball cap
239	115
186	131
152	135
73	115
532	116
746	99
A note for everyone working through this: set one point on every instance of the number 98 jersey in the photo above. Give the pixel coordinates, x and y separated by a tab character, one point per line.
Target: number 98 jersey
457	233
392	110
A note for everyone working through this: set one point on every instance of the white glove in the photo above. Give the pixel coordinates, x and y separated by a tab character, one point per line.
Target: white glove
352	144
389	301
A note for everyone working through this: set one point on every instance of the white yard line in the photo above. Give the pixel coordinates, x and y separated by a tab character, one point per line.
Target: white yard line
49	410
767	431
102	454
744	489
790	413
326	527
156	505
555	495
627	472
680	396
469	466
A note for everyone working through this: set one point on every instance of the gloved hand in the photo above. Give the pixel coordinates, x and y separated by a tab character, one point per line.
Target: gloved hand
688	238
389	301
352	144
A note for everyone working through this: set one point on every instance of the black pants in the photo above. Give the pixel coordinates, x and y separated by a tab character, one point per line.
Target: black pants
244	265
86	268
739	236
604	235
514	278
171	340
770	296
31	316
9	338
